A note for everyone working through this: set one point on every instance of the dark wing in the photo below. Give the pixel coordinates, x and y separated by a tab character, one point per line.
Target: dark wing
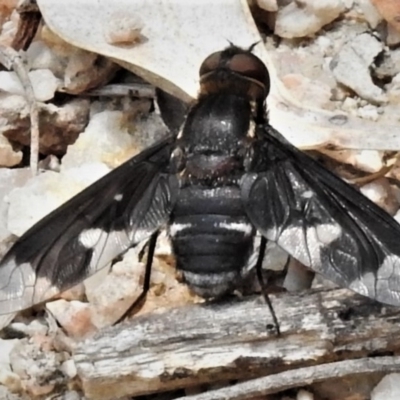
123	208
322	221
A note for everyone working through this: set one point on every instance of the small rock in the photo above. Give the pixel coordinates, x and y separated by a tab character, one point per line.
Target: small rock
324	44
299	19
73	316
124	30
268	5
8	156
9	25
368	112
350	104
85	174
163	247
393	92
43	81
387	389
370	13
70	395
38	369
381	193
8	378
69	368
166	291
351	67
5	394
366	160
32	202
9	179
44	84
393	35
10	83
87	71
84	70
36	327
112	297
40	56
389	65
298	277
103	140
304	395
39	389
390	10
14	113
275	258
6	319
44	342
59	125
370	161
45	192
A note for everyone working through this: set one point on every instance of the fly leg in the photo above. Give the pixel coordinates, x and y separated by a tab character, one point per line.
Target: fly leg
263	283
151	246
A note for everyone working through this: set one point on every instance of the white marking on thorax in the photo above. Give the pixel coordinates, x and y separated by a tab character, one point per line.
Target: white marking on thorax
180	133
252	129
244	227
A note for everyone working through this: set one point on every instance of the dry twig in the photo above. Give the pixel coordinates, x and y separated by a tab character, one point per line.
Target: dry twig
13	60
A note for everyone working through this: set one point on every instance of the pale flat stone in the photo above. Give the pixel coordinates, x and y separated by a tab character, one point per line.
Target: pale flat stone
306	18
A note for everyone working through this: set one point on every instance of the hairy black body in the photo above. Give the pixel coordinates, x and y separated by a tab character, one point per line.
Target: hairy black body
211	234
226	175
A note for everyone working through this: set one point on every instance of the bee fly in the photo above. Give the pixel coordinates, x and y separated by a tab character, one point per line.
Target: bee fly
226	176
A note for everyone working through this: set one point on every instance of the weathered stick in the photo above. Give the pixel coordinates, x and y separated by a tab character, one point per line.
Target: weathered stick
13	60
301	377
211	343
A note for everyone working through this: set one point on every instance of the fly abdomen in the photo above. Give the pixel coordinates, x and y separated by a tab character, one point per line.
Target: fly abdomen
211	238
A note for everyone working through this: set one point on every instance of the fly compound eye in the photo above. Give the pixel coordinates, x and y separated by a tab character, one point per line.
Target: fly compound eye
211	63
246	70
250	66
245	64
